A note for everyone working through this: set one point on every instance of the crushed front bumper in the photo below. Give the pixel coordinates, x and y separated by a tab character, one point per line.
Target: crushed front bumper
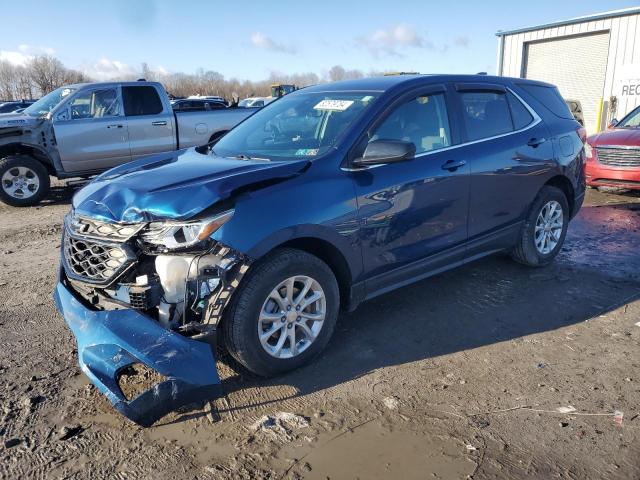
110	341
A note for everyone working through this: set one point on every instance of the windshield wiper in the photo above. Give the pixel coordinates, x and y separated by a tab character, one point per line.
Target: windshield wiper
242	156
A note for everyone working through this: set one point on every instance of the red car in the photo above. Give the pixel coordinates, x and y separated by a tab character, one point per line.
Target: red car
613	156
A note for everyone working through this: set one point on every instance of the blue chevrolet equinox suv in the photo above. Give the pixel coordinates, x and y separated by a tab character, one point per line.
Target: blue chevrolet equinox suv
327	197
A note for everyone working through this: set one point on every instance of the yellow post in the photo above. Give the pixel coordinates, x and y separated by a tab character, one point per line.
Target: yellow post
599	117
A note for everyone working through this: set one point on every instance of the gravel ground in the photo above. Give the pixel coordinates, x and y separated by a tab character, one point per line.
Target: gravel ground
491	371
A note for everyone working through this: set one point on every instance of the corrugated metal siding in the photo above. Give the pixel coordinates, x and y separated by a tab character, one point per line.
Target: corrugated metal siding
582	78
623	54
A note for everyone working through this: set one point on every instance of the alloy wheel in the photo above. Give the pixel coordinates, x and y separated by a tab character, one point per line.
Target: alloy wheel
548	229
292	317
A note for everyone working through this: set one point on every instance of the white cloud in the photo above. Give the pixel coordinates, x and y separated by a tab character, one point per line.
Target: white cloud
106	69
35	50
24	54
392	40
260	40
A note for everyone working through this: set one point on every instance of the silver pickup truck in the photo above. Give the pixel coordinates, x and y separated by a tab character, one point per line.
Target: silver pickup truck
81	130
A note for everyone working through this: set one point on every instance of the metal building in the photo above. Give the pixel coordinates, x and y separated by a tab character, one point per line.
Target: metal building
593	59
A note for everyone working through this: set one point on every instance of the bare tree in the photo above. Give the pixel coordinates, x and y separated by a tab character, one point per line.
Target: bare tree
43	74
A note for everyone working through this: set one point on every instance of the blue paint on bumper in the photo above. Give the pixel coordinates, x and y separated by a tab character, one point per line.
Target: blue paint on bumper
109	341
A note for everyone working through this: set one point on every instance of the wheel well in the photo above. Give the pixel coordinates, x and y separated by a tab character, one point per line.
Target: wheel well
330	255
20	148
564	184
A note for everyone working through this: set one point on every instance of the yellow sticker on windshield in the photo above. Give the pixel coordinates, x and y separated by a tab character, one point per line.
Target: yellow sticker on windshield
334	105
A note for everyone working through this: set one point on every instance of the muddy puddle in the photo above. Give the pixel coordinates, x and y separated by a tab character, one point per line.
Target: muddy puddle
606	238
377	451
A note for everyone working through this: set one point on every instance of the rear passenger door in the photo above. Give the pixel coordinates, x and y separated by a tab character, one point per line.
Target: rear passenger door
150	126
508	150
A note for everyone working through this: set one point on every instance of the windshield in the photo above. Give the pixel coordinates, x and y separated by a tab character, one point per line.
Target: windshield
297	125
632	120
48	102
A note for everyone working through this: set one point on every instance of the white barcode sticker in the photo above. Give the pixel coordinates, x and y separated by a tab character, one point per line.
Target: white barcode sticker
334	105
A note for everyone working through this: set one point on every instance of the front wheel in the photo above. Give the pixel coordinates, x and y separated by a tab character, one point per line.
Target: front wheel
283	314
24	181
545	229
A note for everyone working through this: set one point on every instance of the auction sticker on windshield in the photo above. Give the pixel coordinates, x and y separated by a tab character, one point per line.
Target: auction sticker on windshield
334	105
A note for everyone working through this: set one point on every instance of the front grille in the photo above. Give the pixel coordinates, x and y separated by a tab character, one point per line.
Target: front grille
93	261
619	157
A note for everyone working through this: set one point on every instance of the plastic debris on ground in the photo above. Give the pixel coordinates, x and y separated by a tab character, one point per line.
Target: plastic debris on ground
280	426
617	417
567	409
391	403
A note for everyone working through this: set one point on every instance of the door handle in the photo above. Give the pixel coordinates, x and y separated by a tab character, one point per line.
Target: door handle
534	142
159	123
453	165
115	126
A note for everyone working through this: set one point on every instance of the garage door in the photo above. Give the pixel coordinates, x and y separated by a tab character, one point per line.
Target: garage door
576	65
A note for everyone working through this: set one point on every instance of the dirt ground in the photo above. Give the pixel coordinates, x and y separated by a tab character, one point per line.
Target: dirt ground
457	376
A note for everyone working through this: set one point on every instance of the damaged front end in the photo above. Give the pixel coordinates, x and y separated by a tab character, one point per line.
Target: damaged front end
151	294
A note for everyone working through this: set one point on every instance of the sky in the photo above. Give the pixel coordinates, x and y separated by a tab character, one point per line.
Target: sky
251	39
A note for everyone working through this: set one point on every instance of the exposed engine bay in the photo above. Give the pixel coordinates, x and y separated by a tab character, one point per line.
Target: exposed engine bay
161	269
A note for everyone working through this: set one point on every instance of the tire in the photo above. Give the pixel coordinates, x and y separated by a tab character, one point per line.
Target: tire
33	176
241	324
526	251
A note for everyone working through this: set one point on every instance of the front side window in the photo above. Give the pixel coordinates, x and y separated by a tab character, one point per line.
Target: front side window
302	124
486	114
95	104
632	120
422	121
141	100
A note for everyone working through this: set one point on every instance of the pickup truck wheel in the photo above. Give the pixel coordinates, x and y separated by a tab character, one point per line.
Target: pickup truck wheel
545	229
24	181
283	314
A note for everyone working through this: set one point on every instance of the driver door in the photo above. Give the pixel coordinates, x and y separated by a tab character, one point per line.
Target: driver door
413	214
92	131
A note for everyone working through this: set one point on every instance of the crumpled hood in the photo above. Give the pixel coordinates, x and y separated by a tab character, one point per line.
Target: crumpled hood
18	120
174	185
617	136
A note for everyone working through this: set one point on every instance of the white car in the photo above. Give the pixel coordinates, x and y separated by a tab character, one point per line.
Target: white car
255	102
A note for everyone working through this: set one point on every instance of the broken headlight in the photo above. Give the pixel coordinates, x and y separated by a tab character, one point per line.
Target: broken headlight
179	235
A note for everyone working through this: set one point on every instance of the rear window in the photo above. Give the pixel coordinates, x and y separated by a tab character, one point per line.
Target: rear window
549	97
142	100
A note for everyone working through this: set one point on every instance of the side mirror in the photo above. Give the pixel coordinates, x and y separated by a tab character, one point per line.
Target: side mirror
385	151
613	123
62	116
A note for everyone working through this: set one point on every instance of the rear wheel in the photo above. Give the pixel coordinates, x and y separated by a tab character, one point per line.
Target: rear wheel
24	181
545	229
284	313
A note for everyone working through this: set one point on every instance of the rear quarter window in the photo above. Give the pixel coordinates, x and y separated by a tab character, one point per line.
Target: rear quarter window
549	97
519	113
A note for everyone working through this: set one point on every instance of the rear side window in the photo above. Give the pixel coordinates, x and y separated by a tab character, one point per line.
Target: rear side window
549	97
519	113
142	100
486	114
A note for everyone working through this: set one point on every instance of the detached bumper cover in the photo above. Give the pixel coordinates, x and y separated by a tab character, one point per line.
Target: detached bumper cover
109	341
